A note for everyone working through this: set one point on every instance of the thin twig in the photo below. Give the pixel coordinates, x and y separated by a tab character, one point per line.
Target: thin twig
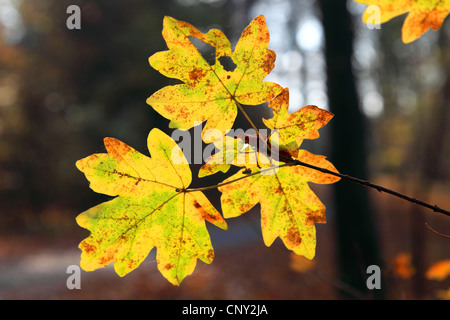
237	179
438	233
345	177
369	184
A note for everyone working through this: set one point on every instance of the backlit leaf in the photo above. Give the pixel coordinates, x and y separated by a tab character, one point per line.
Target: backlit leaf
151	209
423	14
289	208
232	151
293	128
210	92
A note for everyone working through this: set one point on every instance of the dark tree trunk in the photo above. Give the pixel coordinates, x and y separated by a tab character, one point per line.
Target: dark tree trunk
357	245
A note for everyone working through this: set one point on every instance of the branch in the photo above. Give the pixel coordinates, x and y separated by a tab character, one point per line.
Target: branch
235	180
369	184
365	183
438	233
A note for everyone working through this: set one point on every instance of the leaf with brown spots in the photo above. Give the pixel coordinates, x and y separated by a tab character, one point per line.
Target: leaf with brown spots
289	208
211	92
423	14
151	208
288	132
292	128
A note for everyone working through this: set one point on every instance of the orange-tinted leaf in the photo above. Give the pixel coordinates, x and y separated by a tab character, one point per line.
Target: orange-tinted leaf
423	14
438	271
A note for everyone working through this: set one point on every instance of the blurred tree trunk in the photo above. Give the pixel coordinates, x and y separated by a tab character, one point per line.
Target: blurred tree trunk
428	158
357	245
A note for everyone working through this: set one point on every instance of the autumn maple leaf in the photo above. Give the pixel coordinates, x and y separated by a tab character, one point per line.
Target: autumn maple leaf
232	151
422	16
292	128
152	208
211	92
289	208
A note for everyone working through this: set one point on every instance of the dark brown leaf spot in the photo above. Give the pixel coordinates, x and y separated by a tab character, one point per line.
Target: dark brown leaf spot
196	204
105	260
315	217
293	237
210	255
196	74
88	248
168	266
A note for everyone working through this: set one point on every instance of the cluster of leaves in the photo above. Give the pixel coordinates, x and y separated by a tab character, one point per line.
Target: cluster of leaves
153	204
422	16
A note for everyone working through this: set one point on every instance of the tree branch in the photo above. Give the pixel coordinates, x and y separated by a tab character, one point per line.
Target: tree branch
348	178
438	233
369	184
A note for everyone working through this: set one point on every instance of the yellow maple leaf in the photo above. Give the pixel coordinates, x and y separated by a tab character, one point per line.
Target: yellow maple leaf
212	93
151	208
289	208
423	14
292	128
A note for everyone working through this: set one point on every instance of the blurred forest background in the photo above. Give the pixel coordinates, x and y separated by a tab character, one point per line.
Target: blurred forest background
62	91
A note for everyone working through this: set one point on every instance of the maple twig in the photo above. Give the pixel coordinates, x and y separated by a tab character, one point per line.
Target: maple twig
247	117
345	177
235	180
369	184
438	233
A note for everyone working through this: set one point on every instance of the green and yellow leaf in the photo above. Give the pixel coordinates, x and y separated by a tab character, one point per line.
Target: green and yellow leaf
232	151
289	208
210	92
292	128
151	209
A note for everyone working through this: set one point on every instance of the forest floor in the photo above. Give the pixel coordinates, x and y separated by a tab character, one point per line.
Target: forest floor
246	269
33	265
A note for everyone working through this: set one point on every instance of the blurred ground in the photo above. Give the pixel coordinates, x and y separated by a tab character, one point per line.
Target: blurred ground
33	266
37	270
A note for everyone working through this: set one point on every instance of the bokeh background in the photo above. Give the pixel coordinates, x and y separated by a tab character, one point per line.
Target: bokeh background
62	91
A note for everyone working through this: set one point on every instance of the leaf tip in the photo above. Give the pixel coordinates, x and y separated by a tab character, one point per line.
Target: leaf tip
79	164
261	18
